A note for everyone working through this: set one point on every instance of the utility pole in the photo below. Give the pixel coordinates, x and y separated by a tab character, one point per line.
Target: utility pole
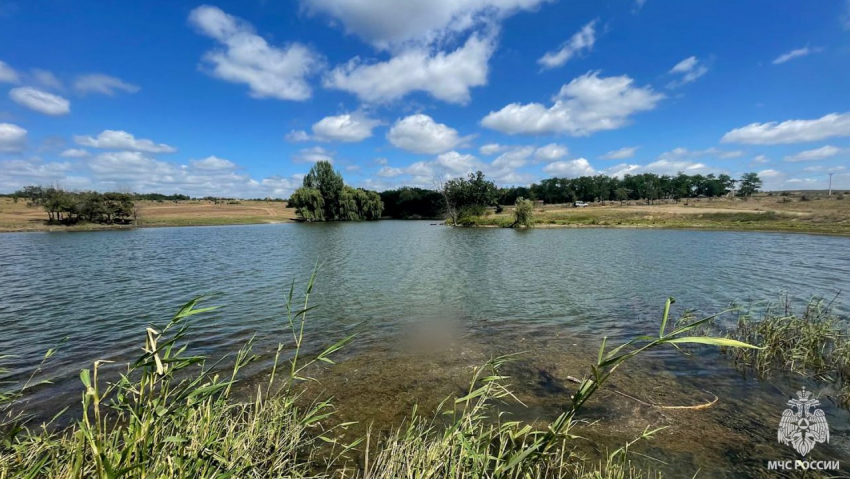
830	185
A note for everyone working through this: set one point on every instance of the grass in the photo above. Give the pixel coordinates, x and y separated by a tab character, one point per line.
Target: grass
813	342
826	215
170	414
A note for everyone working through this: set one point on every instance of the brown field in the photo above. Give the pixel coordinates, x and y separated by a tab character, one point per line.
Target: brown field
817	213
20	217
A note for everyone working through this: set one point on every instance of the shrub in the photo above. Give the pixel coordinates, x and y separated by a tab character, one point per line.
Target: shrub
524	213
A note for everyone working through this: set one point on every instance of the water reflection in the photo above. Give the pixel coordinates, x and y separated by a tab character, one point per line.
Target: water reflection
428	302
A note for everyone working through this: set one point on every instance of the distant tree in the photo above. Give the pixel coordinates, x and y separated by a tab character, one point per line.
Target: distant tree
325	197
523	213
621	194
308	203
410	202
469	196
750	183
330	184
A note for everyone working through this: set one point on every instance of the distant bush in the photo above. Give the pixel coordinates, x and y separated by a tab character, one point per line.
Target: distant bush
524	213
65	207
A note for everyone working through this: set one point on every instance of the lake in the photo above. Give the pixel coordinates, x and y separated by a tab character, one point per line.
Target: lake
429	302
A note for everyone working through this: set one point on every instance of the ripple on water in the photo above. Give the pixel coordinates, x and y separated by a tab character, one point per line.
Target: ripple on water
550	292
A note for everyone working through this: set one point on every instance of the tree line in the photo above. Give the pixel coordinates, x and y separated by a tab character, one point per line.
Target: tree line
464	197
645	186
324	196
67	207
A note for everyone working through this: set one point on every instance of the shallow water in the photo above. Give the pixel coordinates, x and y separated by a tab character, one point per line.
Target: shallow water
428	303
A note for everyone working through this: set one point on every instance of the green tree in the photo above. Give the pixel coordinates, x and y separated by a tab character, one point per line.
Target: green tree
325	197
308	203
523	213
469	196
330	184
750	183
621	194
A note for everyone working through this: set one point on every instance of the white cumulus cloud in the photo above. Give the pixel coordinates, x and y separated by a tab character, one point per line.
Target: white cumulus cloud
213	163
791	131
40	101
390	24
446	76
103	84
121	140
816	154
313	155
8	74
551	152
570	169
458	162
621	154
581	42
587	104
74	153
297	136
419	133
13	138
269	71
514	158
349	127
491	149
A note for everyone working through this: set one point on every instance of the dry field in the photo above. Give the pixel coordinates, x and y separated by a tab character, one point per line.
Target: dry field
817	213
19	217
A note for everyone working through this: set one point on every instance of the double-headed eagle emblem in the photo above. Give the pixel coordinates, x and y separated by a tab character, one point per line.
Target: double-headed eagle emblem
802	427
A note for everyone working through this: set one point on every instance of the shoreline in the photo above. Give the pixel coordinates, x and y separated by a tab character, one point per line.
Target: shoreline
668	227
694	227
93	227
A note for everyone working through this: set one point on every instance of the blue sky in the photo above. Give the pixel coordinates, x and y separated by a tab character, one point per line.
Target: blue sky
239	98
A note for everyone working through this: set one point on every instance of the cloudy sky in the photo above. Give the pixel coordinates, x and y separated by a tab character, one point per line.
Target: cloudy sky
240	98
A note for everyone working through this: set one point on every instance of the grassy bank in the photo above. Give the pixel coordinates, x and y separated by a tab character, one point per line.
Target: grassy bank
20	217
163	418
792	213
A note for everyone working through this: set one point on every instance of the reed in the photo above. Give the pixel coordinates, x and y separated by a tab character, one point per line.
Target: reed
811	341
159	419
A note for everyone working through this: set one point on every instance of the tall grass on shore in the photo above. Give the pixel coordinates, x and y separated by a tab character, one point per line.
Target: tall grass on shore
812	340
160	420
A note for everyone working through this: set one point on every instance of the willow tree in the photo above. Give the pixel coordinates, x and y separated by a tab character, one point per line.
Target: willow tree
308	204
328	181
325	197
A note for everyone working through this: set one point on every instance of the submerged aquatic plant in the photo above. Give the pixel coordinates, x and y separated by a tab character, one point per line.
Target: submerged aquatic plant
160	420
814	342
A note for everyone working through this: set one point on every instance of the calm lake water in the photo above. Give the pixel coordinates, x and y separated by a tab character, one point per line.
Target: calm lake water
429	302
